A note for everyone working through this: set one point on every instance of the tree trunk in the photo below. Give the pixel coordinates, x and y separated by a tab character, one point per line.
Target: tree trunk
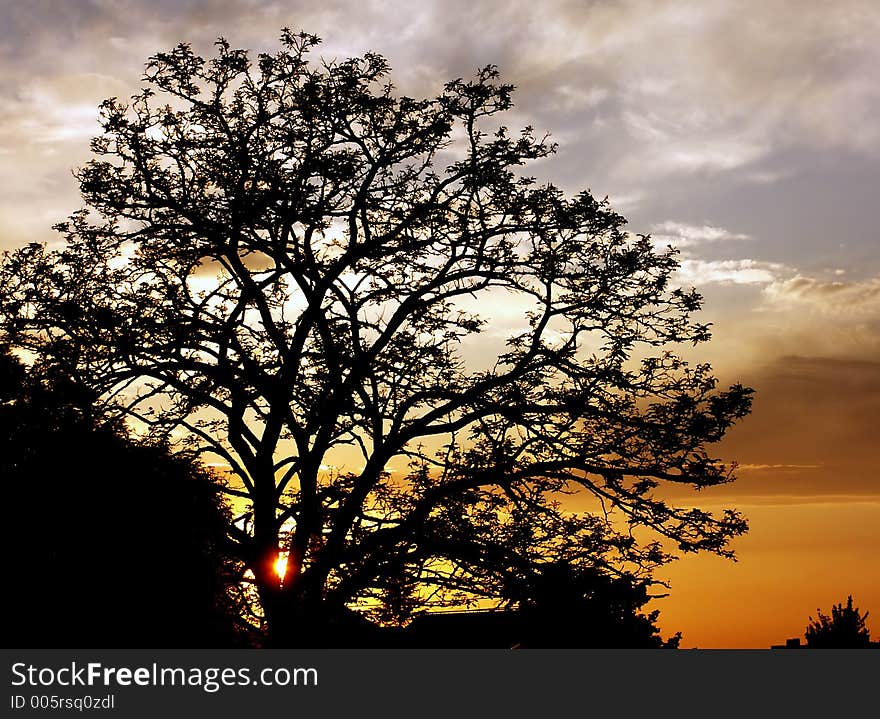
292	617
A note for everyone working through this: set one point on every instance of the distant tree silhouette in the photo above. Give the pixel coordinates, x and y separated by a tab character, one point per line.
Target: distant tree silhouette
844	629
293	267
554	606
565	607
88	562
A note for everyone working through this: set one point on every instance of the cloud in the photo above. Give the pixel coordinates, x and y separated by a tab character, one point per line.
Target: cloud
737	272
679	234
57	110
812	430
827	296
776	467
662	148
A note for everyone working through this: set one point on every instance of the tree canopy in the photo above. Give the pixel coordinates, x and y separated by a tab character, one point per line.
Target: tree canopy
290	268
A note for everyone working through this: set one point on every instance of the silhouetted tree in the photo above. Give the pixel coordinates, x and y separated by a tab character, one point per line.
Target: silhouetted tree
293	266
561	606
844	629
87	562
553	605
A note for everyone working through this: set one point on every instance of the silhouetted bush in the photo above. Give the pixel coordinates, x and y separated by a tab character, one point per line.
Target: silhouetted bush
844	629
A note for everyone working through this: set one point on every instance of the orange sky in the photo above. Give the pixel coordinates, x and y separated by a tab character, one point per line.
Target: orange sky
808	485
795	558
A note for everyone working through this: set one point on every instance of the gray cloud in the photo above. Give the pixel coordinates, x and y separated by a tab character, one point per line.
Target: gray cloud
696	86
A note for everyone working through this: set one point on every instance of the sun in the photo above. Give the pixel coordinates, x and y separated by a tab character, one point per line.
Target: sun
281	565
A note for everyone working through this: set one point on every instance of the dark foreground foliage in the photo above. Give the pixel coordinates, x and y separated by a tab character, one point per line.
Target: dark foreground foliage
109	543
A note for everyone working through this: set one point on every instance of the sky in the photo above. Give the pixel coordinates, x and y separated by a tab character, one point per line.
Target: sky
747	134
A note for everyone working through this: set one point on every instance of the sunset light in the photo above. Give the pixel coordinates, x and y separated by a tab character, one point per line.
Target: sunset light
442	305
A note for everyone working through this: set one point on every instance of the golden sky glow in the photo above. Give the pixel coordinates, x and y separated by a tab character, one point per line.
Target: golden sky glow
748	135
